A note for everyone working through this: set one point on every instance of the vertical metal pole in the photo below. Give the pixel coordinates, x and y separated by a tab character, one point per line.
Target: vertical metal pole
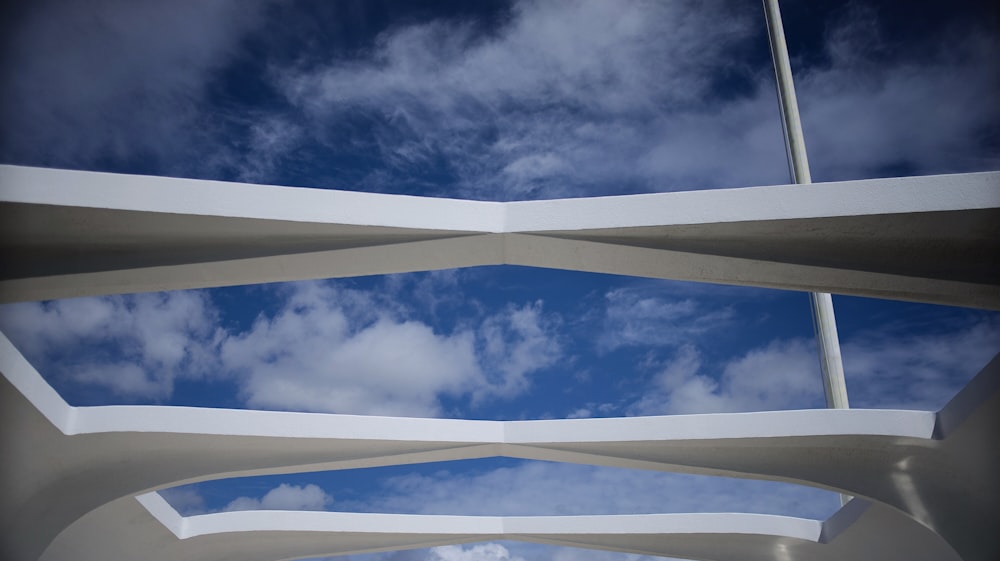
824	322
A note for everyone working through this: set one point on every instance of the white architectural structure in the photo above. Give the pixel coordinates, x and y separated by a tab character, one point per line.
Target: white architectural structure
70	233
78	483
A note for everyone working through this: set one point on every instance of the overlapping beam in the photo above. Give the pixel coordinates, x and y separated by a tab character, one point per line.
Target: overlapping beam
156	532
71	233
69	472
65	465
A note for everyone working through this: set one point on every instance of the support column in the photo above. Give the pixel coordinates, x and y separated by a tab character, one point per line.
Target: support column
824	321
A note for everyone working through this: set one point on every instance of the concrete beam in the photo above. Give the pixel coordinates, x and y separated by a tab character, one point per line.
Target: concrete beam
937	470
156	532
70	233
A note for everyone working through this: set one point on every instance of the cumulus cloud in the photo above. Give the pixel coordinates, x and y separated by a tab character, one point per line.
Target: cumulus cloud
326	351
341	351
186	500
133	345
782	375
285	497
325	348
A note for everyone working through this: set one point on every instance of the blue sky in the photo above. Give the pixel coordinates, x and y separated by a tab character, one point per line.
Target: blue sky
496	101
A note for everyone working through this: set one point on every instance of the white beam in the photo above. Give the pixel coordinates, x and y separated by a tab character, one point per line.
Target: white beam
937	469
66	234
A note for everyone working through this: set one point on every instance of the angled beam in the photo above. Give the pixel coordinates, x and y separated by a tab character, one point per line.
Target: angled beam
407	257
653	256
946	483
157	532
68	233
147	195
938	469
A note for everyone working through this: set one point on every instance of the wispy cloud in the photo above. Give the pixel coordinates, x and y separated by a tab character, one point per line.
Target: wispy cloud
557	99
114	80
892	368
516	342
649	315
579	99
563	98
880	108
526	488
336	350
886	366
535	488
543	488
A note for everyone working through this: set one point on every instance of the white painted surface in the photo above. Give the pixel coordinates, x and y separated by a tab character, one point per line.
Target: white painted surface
118	452
88	189
71	475
747	204
720	537
84	189
920	238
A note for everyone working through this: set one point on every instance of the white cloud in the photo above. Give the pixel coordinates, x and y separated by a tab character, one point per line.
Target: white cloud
886	366
338	351
432	292
186	500
638	316
533	488
115	78
347	352
389	367
544	488
513	551
477	552
583	98
782	375
566	98
888	369
285	497
569	95
584	53
270	137
133	345
325	349
514	343
924	111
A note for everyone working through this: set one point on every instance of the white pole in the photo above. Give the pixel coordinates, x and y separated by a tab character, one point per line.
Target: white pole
824	322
